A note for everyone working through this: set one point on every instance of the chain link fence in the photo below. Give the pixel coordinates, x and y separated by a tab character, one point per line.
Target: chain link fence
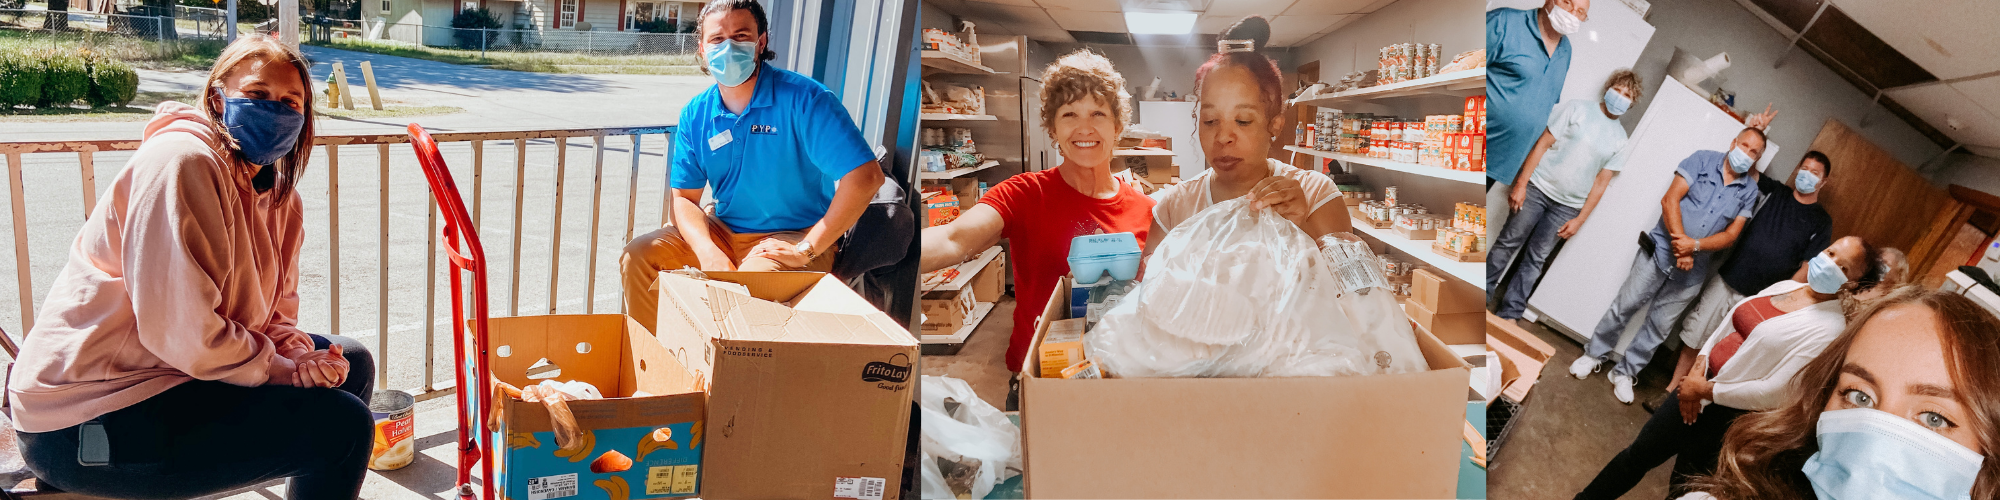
163	28
528	40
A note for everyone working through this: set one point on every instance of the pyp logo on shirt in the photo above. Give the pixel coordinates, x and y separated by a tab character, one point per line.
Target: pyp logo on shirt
763	129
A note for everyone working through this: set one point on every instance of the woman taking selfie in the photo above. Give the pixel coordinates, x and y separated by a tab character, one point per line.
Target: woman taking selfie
166	361
1084	110
1240	107
1904	404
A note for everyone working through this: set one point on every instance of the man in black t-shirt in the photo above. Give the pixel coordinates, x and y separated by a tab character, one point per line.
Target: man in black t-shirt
1787	229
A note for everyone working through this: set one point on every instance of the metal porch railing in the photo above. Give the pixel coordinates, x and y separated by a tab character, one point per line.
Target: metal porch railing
332	150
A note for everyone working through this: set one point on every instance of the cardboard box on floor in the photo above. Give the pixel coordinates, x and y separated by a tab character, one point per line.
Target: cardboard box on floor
618	356
809	385
1522	356
1382	436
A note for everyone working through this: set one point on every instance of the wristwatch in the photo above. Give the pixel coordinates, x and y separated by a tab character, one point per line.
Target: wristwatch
806	247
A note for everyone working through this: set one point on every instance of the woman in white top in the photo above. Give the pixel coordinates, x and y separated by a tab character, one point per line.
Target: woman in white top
1747	366
1240	106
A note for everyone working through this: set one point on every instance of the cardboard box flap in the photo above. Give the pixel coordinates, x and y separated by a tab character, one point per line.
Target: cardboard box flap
775	323
577	344
774	286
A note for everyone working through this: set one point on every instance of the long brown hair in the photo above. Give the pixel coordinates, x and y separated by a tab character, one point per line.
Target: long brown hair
1762	453
260	47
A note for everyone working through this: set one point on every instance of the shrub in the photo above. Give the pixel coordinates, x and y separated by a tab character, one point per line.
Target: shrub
470	20
65	79
112	82
20	79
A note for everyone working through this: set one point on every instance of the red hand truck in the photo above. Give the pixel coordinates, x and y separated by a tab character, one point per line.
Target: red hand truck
461	239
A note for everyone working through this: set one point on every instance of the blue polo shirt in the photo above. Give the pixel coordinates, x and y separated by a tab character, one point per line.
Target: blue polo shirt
1523	82
1710	205
773	167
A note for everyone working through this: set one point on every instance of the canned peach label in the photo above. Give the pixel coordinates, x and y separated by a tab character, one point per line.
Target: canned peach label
395	425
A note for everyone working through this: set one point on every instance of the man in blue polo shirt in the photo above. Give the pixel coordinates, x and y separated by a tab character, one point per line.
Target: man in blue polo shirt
1527	57
1712	197
772	145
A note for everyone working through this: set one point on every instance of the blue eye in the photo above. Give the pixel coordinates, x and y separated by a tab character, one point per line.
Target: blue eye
1934	420
1858	399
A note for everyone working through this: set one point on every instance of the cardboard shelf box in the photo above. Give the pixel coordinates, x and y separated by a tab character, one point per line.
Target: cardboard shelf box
645	389
1522	356
1382	436
809	386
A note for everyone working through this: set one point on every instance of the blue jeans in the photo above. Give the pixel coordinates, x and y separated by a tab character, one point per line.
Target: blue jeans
1644	285
1532	233
204	437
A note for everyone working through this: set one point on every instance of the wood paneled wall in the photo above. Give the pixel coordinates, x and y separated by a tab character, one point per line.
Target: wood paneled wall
1873	196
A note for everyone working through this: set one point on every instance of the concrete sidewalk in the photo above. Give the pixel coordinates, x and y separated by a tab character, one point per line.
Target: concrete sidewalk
492	99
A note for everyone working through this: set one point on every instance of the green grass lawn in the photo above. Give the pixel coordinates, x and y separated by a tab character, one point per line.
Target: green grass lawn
149	54
540	62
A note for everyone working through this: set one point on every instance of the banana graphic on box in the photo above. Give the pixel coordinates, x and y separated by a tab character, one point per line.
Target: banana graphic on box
661	438
522	440
579	448
615	487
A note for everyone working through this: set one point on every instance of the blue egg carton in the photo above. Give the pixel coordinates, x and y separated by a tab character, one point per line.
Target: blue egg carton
1091	256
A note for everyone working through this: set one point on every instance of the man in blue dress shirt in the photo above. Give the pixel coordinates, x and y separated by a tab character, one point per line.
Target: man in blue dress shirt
1527	57
772	146
1712	197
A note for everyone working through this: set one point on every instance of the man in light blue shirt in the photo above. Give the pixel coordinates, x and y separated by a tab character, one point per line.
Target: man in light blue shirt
1564	178
1527	58
772	145
1712	197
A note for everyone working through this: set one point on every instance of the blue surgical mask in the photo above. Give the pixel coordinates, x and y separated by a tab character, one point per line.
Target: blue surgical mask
265	131
1615	102
732	63
1740	161
1824	275
1807	182
1866	454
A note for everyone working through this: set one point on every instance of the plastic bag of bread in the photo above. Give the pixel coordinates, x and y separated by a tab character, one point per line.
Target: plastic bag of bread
1240	292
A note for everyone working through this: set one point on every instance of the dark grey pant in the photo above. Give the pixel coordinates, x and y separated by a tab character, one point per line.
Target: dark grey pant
203	437
1694	449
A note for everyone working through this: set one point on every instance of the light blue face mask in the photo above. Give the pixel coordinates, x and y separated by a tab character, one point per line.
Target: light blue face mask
732	63
1740	161
1868	454
1807	182
1616	103
1824	275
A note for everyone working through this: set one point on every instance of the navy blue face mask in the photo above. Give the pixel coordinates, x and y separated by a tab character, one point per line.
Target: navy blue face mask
265	131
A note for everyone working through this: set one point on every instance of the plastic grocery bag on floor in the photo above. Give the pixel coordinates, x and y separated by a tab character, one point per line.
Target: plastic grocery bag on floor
1238	292
968	445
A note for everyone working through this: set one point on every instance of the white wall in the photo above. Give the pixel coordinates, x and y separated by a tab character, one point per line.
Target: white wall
1805	92
1455	25
1976	172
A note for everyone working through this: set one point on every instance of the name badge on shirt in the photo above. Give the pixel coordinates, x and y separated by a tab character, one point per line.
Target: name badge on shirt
719	140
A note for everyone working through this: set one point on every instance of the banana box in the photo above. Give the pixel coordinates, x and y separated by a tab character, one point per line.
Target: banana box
644	440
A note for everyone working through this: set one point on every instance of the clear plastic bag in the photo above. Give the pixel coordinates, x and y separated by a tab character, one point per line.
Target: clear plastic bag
968	445
1238	292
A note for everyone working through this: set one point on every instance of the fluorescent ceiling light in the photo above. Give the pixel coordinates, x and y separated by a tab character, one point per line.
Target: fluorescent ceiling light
1160	23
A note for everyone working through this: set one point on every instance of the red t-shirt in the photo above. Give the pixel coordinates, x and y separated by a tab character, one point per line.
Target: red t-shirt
1753	312
1042	214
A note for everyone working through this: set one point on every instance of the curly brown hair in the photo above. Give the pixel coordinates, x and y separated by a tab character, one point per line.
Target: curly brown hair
1625	76
1762	453
1082	74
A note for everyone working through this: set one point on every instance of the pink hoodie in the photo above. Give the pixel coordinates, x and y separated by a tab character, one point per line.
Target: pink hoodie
183	272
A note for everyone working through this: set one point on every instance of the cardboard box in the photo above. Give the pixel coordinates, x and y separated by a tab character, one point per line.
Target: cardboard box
1452	328
991	282
809	385
966	189
618	356
1062	348
1152	164
1383	436
946	311
1445	295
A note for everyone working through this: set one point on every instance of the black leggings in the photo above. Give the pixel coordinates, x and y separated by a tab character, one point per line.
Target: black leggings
204	437
1663	437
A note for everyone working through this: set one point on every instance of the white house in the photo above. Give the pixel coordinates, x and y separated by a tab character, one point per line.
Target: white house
557	24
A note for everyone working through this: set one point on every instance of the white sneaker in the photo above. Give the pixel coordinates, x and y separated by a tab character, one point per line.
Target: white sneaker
1583	366
1621	386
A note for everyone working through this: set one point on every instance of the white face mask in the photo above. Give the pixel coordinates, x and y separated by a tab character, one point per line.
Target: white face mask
1563	21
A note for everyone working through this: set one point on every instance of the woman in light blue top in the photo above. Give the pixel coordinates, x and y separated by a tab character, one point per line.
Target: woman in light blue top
1560	182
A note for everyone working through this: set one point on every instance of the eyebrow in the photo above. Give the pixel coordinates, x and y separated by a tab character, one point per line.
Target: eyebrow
1933	390
1856	370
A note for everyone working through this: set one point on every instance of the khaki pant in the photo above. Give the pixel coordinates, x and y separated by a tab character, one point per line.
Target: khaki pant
665	250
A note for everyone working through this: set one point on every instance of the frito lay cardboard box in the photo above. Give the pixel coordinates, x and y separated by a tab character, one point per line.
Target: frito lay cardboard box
644	440
1381	436
809	386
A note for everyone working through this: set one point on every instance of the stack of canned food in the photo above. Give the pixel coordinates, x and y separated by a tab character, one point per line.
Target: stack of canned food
1407	61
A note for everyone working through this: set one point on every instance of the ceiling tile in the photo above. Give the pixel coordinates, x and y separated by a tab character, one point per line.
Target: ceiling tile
1949	38
1213	25
1054	35
1240	8
1016	19
1302	25
1018	3
1289	40
1984	151
1084	5
1111	22
1941	105
1984	91
1322	7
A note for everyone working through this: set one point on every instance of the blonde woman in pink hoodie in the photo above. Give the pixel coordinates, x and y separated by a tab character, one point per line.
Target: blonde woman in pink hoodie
167	361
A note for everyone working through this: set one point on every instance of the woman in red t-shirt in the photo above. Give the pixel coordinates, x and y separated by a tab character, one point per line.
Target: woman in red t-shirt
1084	109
